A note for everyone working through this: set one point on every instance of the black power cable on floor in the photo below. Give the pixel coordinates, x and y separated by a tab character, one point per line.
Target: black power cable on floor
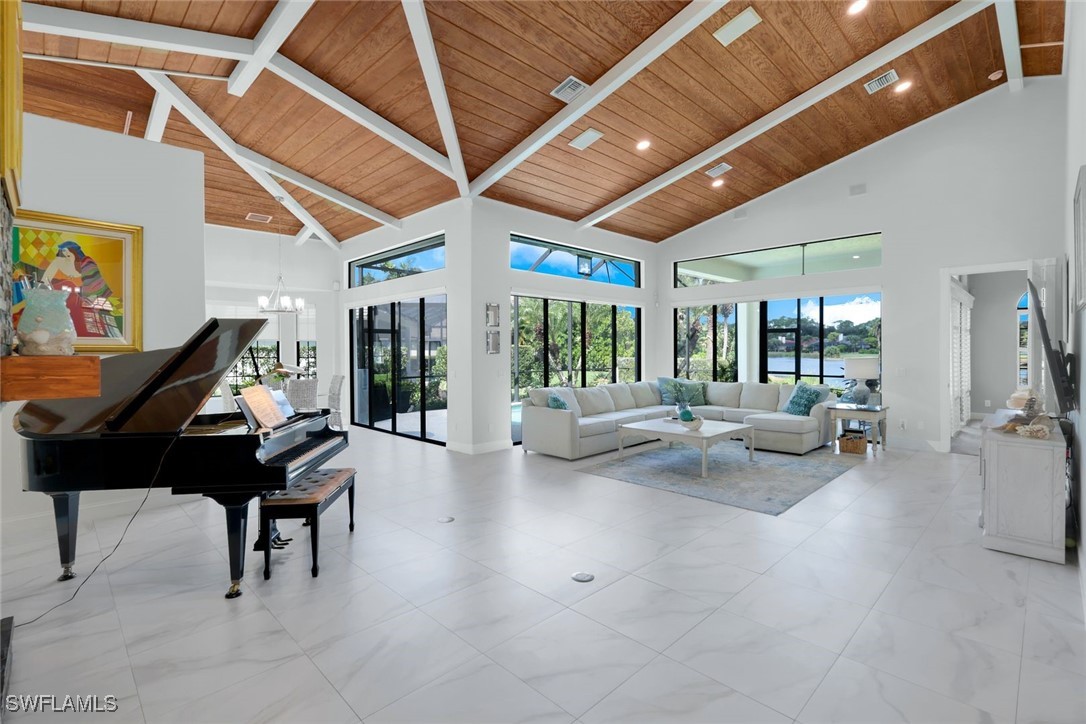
150	487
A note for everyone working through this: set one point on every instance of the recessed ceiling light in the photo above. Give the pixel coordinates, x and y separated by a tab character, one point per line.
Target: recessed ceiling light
903	86
642	145
857	7
718	183
856	256
996	75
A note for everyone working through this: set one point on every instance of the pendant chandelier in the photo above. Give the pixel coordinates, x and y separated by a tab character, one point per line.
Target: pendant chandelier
279	302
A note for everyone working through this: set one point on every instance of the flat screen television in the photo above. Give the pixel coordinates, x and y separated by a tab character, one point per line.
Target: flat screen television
1058	363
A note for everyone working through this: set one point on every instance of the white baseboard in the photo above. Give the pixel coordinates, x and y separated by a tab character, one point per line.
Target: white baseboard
88	512
479	448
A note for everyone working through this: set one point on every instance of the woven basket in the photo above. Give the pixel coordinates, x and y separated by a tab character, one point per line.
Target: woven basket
853	443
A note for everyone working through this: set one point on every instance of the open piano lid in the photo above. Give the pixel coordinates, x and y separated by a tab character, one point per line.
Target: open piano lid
156	392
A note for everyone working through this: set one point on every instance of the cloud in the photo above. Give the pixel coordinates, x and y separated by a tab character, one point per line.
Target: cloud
857	310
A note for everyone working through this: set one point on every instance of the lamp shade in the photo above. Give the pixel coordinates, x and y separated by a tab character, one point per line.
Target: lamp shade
862	368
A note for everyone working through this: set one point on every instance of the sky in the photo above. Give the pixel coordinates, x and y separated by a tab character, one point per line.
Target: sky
856	309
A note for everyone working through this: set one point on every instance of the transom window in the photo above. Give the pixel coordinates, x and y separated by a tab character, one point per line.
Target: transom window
421	256
544	257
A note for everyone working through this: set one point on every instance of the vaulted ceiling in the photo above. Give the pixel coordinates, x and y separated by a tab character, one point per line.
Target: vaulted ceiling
362	113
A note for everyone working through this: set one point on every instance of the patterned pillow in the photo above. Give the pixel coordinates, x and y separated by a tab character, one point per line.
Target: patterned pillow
803	399
556	403
695	391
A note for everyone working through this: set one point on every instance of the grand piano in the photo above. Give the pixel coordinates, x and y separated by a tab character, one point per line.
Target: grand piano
145	429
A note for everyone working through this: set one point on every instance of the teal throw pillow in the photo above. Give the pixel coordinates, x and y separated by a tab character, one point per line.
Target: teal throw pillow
803	399
555	402
693	393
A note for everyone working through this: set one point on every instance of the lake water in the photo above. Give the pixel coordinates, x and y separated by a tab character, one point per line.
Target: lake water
808	365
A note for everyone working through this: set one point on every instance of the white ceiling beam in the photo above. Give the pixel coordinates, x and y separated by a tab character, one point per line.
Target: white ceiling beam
419	25
156	121
1008	37
855	72
116	66
108	29
303	236
674	30
316	187
301	78
277	28
197	117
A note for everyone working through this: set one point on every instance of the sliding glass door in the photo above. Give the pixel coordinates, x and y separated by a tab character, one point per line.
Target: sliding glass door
556	342
398	355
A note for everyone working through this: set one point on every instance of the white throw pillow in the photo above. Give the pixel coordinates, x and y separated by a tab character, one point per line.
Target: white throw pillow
642	394
723	394
593	400
785	395
620	395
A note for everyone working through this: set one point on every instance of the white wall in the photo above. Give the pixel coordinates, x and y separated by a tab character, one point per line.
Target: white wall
477	257
79	171
1075	64
994	338
978	184
242	265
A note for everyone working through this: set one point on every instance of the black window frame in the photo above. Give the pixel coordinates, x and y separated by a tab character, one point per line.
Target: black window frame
714	357
595	256
401	252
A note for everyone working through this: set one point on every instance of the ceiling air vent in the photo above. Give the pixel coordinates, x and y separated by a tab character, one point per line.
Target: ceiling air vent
719	170
586	139
887	78
741	23
259	218
569	89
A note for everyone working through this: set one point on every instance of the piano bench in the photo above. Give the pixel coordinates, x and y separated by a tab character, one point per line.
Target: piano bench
307	498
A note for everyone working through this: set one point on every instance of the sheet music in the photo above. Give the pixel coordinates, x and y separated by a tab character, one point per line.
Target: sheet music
263	405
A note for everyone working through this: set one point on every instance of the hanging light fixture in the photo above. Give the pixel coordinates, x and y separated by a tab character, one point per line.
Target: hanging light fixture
279	302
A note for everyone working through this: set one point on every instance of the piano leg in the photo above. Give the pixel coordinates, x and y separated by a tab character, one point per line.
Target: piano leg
66	512
237	519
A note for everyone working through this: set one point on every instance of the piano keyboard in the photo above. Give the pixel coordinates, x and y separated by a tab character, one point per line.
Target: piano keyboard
298	455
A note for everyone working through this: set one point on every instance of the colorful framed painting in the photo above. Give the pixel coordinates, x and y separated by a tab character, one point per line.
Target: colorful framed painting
101	263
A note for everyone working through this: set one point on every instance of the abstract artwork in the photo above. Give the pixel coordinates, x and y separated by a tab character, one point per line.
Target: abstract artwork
99	263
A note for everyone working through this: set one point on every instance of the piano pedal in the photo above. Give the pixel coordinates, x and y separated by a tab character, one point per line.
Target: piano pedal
306	522
235	590
66	574
283	540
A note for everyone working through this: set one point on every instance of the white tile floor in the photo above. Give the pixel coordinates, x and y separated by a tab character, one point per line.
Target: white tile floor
871	601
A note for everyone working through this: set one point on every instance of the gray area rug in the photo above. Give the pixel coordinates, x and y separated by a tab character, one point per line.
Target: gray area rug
771	484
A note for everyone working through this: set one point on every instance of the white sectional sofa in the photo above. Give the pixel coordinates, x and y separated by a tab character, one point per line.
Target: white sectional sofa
589	426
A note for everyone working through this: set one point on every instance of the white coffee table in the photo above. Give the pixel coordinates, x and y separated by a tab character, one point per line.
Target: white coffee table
710	433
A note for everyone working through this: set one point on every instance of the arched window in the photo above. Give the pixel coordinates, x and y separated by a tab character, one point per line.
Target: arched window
1023	340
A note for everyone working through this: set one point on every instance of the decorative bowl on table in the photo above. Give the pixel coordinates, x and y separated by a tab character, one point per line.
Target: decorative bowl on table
694	424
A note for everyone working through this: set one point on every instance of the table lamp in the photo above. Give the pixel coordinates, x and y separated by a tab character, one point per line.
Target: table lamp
861	369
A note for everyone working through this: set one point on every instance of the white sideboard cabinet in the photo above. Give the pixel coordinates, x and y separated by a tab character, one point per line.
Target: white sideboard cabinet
1024	495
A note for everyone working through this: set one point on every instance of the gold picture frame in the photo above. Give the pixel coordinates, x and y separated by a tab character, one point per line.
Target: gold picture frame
100	261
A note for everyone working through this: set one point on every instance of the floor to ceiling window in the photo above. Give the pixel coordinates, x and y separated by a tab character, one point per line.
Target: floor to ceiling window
810	338
556	342
706	343
399	363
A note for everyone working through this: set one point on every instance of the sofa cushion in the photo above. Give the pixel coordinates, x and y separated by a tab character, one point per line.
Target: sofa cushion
724	394
593	400
655	412
760	396
643	394
540	395
620	395
709	412
782	422
803	398
589	426
621	417
695	391
737	414
784	394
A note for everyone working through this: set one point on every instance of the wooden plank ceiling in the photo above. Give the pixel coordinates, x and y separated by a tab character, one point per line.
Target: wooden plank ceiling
500	60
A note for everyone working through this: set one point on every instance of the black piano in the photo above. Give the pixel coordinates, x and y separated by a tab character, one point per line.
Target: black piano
146	427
